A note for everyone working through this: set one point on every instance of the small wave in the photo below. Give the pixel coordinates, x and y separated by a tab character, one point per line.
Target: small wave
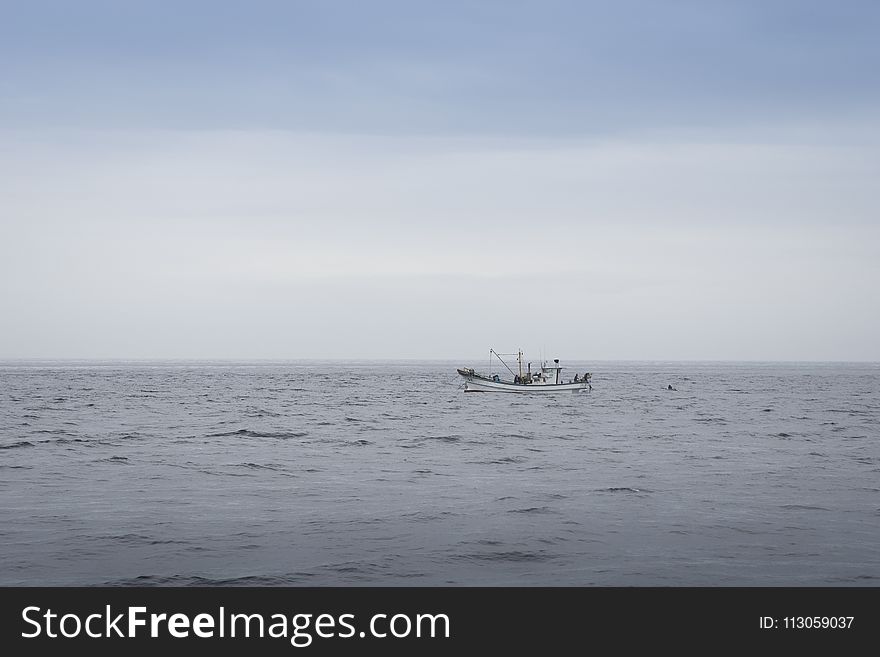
856	578
426	516
353	568
502	461
196	580
248	433
214	473
532	509
622	489
274	467
445	439
509	555
131	436
803	507
143	539
21	443
261	412
114	459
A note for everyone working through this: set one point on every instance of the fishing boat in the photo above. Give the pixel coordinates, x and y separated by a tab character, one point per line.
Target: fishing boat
547	379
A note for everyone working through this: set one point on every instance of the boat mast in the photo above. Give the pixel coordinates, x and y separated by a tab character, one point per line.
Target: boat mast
519	358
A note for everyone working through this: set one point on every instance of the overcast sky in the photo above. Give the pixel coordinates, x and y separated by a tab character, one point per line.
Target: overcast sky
626	180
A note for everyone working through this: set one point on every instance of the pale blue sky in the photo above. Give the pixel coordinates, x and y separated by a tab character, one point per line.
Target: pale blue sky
512	68
674	180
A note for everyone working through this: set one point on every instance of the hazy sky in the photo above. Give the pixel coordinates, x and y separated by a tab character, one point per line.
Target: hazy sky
626	180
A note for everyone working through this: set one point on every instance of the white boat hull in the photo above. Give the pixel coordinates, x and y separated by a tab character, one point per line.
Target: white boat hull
480	384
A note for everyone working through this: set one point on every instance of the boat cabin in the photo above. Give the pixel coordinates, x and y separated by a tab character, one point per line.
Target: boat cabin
548	374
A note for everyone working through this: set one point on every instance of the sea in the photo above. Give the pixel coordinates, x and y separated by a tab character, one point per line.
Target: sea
311	473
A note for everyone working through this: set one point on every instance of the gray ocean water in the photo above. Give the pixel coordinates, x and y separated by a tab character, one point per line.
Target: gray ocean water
358	473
